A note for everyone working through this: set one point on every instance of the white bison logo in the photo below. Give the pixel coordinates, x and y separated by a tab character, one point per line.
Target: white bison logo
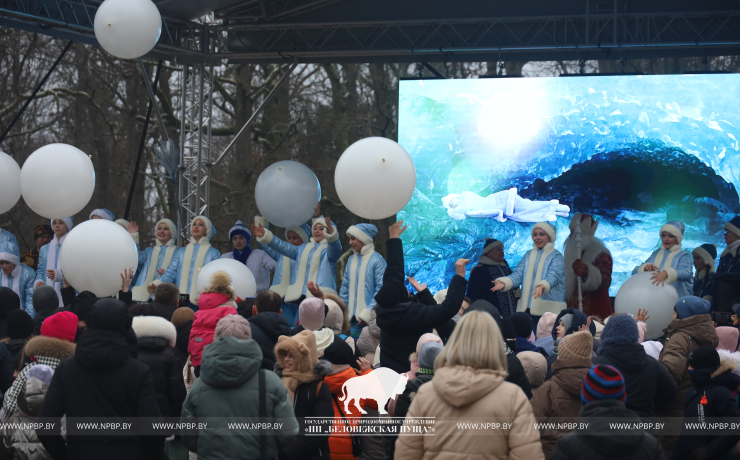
381	385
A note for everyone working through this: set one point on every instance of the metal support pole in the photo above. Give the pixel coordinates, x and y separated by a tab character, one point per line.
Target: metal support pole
152	98
201	76
181	168
35	91
257	112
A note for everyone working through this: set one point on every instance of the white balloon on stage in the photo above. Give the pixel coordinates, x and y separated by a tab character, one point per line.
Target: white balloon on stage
57	181
639	292
287	192
10	182
242	279
94	255
128	29
375	178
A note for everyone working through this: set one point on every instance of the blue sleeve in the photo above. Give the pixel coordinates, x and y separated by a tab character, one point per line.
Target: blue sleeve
651	259
379	272
29	281
334	251
270	252
144	255
556	270
41	269
212	255
170	275
344	290
518	274
284	248
684	268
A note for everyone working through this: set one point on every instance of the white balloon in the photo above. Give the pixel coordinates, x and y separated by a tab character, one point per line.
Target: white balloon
10	182
94	254
57	181
639	292
375	178
128	29
287	192
242	279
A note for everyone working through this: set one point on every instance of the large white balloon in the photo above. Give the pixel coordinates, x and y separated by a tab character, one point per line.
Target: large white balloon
639	292
287	193
94	255
375	178
242	279
128	29
10	182
57	181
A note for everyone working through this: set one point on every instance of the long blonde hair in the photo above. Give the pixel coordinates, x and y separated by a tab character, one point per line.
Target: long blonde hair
476	342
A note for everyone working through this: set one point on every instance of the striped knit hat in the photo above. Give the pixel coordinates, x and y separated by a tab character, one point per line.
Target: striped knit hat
603	382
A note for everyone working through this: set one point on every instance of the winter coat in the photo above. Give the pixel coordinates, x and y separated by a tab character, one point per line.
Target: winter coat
729	260
174	271
7	369
704	284
717	385
649	384
156	338
25	286
102	380
599	442
481	282
283	269
164	253
523	344
407	397
45	264
682	337
260	263
516	374
15	347
204	326
461	392
310	402
182	341
23	442
559	399
322	271
163	310
552	278
680	271
266	328
373	281
43	350
222	391
340	443
370	336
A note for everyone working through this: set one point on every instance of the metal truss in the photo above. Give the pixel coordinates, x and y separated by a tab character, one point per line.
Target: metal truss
196	107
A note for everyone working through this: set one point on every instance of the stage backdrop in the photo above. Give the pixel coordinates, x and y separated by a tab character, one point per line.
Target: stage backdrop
633	151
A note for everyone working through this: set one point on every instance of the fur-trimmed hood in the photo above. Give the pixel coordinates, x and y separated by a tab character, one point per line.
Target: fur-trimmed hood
725	355
321	369
154	326
330	321
49	346
724	366
220	284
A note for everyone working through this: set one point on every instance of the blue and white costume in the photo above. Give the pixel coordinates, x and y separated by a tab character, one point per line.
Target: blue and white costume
49	260
188	262
151	260
257	261
674	261
363	275
315	262
540	267
22	278
284	271
103	214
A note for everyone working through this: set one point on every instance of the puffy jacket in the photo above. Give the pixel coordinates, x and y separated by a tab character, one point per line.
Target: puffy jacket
204	325
370	336
373	280
340	444
25	286
600	442
174	270
648	383
680	272
228	387
157	337
461	392
560	398
552	278
266	328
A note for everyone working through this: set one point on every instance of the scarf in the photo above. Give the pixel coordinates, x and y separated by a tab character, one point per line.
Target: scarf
187	262
295	290
291	380
285	278
676	249
52	263
243	255
357	303
485	260
140	293
537	271
16	275
731	249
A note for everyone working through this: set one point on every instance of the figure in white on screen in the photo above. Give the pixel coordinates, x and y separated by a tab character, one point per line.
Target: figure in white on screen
506	204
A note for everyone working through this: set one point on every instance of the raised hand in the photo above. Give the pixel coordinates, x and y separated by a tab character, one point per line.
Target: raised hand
365	365
460	266
397	229
659	278
126	279
258	231
329	228
51	274
315	290
641	315
151	288
585	327
419	287
132	227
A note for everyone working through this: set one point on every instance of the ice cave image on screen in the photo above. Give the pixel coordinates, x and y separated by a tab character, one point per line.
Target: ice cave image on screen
493	156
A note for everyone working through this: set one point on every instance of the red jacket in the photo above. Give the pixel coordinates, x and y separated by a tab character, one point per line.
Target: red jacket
340	444
211	309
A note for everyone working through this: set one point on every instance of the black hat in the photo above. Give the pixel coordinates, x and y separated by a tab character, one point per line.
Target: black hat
522	323
110	315
705	357
20	324
339	352
9	301
84	303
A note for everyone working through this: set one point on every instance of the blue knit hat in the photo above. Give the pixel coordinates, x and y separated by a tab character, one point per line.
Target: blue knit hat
103	214
240	229
363	232
548	228
603	382
689	306
675	228
620	328
490	244
733	226
707	252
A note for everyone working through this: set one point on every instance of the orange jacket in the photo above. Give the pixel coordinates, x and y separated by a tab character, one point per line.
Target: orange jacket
340	444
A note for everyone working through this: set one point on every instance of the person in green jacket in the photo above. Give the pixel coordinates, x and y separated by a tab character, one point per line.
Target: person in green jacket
228	390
